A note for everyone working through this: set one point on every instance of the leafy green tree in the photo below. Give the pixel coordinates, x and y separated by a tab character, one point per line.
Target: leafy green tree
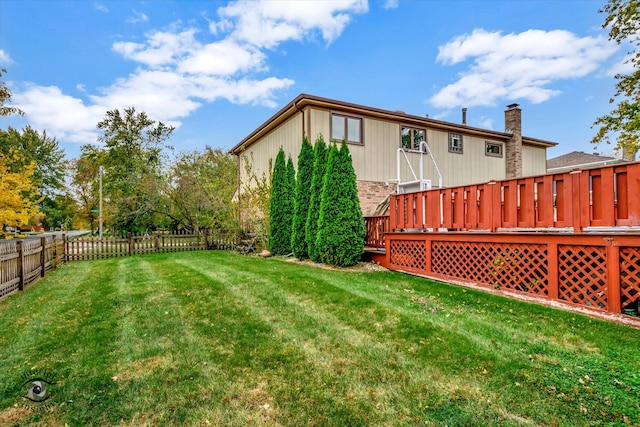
17	206
85	186
341	228
5	97
134	181
281	207
302	200
50	167
254	196
311	226
203	185
623	22
61	211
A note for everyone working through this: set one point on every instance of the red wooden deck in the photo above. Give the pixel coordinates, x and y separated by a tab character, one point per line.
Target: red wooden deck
572	238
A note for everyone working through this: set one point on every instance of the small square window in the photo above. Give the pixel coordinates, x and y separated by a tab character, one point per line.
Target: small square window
410	138
493	149
455	143
346	128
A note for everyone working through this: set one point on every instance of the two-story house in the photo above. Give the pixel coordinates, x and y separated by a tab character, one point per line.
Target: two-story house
463	154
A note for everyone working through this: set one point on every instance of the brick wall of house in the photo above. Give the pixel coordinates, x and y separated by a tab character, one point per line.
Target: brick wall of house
371	194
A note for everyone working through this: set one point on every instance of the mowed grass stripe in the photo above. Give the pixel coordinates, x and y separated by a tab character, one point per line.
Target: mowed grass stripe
69	334
281	368
369	367
174	370
534	365
216	338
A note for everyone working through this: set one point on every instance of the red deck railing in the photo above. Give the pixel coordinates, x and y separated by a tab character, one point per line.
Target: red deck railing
377	226
581	199
593	263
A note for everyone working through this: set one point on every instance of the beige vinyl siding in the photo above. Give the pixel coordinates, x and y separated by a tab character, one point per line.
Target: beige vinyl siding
319	124
288	136
534	160
376	159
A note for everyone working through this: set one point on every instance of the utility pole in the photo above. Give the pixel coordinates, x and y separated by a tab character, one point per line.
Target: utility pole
100	206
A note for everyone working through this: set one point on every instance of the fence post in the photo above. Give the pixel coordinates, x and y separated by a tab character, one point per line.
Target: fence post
130	245
20	264
63	258
43	243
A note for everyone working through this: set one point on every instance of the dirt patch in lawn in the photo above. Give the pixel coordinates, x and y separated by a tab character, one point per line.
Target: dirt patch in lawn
140	368
362	267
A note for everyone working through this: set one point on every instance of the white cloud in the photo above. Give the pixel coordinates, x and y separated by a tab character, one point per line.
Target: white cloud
137	17
269	23
391	4
223	58
485	122
100	7
623	66
5	58
177	71
64	116
516	66
244	91
161	48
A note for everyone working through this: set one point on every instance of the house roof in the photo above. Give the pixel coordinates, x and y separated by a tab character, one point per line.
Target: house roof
577	159
303	100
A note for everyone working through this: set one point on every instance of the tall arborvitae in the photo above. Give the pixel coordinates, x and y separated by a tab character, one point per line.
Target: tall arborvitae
302	200
280	208
341	229
311	226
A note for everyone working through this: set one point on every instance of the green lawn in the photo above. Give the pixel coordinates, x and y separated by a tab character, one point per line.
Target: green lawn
215	338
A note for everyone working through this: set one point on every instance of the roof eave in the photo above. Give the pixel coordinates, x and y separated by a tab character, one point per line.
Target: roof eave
304	100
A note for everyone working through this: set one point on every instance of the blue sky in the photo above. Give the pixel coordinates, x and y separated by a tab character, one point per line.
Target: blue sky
216	70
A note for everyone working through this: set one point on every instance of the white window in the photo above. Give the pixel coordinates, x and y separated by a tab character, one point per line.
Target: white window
410	138
455	143
346	128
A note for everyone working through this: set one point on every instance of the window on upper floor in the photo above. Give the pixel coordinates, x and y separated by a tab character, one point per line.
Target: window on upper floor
455	143
346	128
410	138
493	149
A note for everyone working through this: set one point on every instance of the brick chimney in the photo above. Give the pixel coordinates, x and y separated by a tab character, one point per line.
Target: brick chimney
513	148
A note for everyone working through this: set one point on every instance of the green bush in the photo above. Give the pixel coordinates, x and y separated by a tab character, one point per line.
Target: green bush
311	226
302	200
280	207
341	229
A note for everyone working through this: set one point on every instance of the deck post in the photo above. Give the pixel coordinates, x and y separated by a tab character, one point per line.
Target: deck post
552	253
613	276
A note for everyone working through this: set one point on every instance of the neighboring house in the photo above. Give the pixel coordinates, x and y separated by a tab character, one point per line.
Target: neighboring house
464	154
579	160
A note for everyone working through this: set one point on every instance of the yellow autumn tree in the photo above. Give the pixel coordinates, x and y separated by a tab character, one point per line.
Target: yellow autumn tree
18	201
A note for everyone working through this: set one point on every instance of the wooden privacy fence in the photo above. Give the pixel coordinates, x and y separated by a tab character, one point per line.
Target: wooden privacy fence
94	248
23	261
596	271
581	200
